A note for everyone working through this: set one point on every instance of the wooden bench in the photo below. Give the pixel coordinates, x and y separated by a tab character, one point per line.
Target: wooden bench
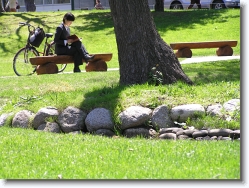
184	48
48	64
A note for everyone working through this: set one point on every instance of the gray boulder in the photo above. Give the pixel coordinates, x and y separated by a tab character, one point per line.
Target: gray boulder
219	132
232	105
214	110
183	112
52	127
171	136
105	132
43	115
99	118
22	119
134	116
161	118
3	118
72	119
141	131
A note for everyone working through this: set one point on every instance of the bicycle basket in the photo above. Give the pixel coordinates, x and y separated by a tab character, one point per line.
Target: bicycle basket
37	37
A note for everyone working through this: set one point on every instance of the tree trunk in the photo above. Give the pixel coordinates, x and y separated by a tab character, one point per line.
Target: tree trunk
140	48
30	5
2	6
159	5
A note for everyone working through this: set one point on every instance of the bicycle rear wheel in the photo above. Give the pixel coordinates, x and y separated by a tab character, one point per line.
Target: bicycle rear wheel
21	63
51	51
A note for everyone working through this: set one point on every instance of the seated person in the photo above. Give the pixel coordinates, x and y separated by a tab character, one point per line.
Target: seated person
98	5
72	47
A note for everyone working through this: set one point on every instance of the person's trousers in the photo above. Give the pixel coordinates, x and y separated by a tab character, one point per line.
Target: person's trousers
197	2
77	50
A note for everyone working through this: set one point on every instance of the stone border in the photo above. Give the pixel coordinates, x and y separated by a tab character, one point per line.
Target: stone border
134	121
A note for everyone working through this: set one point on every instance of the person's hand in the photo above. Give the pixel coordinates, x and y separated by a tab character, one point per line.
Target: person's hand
69	41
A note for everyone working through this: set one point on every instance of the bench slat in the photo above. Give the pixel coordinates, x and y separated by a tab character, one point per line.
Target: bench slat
208	44
65	59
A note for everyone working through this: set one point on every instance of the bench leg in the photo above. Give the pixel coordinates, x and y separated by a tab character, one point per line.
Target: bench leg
224	51
47	68
184	52
98	65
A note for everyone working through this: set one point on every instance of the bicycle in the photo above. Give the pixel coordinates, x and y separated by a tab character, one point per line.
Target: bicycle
21	63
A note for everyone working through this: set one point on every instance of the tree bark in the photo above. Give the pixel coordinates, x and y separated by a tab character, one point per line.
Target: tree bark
2	5
140	47
30	5
159	5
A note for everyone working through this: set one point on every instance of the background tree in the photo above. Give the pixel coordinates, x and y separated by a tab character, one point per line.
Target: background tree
159	5
2	4
30	5
141	50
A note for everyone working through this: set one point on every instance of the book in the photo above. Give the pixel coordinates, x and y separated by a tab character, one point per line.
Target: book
73	37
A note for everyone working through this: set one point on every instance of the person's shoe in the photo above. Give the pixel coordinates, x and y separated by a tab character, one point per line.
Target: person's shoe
89	58
76	69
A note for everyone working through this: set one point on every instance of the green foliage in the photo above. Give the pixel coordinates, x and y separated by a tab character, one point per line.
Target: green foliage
155	77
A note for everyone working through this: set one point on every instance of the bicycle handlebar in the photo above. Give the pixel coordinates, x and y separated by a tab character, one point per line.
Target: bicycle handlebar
29	25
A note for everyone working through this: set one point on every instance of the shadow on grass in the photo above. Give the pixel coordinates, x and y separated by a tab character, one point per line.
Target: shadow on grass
106	97
97	21
111	97
213	72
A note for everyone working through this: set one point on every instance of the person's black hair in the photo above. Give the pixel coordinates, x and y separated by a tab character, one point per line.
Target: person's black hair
68	16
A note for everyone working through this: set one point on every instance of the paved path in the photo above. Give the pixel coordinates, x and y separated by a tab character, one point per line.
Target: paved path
207	59
199	60
184	61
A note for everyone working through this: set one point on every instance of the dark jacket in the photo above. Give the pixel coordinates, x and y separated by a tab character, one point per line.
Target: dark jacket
61	34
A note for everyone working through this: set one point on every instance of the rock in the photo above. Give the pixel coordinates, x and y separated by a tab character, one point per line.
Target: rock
99	118
22	119
214	138
160	118
232	105
214	110
219	132
189	132
201	133
41	127
168	136
235	134
137	131
134	116
105	132
225	138
183	137
43	115
183	112
72	119
3	118
52	127
170	130
206	138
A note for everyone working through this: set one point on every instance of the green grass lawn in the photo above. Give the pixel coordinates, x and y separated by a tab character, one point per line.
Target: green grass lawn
40	155
29	154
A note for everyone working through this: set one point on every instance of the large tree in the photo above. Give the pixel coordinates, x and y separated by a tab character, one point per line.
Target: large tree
140	47
30	5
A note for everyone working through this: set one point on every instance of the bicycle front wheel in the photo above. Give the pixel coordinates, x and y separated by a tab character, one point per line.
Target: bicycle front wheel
21	63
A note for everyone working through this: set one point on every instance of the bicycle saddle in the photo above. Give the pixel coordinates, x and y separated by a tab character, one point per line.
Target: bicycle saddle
48	35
